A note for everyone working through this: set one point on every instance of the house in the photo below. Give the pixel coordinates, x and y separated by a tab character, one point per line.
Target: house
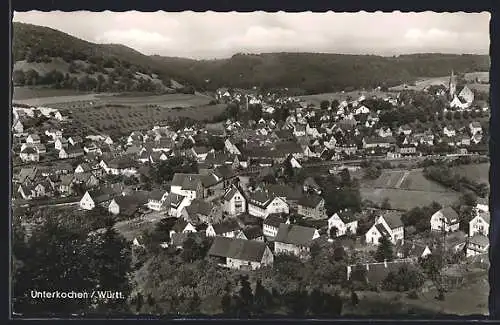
466	95
449	131
125	205
135	137
91	199
272	223
122	165
310	185
29	154
18	126
228	228
60	143
240	254
477	245
234	201
53	133
385	132
405	129
294	239
65	185
251	233
475	127
175	204
480	224
200	211
342	222
182	226
88	179
312	206
413	250
376	273
156	199
189	185
476	138
71	152
388	225
374	142
447	217
482	205
33	139
199	153
299	130
27	192
262	203
74	140
231	148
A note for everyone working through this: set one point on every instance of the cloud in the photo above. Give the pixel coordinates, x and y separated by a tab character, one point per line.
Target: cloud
138	39
216	35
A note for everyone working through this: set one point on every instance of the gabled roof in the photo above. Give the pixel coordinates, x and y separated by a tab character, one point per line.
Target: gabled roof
393	219
480	240
286	191
294	234
252	232
246	250
186	181
382	230
274	220
200	150
199	207
29	150
450	214
121	162
311	201
485	215
226	226
224	172
157	194
180	225
231	192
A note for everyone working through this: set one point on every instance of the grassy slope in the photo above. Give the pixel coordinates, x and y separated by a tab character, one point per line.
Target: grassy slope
54	44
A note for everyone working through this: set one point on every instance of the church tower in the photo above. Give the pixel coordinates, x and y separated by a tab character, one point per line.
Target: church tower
452	87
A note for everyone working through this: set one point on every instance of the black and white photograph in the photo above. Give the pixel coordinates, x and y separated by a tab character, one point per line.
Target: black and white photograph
249	165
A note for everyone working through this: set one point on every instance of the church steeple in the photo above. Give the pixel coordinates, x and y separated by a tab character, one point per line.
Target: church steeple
452	87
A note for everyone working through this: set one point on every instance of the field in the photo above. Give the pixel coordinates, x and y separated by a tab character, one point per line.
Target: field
425	82
475	172
469	300
117	120
406	190
340	96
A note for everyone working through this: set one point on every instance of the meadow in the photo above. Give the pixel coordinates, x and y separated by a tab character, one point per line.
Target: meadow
406	190
476	172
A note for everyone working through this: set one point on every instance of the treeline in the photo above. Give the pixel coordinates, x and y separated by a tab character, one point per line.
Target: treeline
444	176
318	73
99	83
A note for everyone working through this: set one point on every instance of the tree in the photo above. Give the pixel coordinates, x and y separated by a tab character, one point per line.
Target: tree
404	279
386	205
261	298
335	104
333	232
324	104
372	172
384	250
354	298
18	77
246	298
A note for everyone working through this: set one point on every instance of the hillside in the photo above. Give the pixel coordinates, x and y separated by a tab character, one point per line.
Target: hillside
45	56
317	72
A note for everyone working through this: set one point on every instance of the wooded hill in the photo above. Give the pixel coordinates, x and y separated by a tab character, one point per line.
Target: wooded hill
49	56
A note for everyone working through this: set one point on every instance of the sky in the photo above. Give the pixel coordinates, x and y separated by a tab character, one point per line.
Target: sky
211	35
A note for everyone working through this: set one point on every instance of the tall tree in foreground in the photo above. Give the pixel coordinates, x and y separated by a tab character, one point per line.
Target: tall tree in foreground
385	250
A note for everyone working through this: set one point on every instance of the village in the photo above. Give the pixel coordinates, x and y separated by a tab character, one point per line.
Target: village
260	188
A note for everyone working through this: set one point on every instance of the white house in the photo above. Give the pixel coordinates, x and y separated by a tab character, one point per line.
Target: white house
343	221
29	154
449	131
482	205
182	226
480	224
189	185
385	132
234	201
447	217
475	127
388	225
477	245
33	139
228	228
240	254
231	148
60	143
261	204
156	199
271	225
294	239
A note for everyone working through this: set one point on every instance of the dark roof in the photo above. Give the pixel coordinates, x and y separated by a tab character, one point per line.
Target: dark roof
180	225
382	230
286	191
156	194
480	240
224	171
174	200
485	215
200	150
247	219
231	192
128	204
199	207
346	215
450	214
377	272
29	150
246	250
121	162
413	249
311	201
252	232
274	220
374	140
393	219
294	234
311	182
226	226
186	181
261	198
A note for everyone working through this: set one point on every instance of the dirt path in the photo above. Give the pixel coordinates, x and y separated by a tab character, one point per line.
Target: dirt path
402	179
